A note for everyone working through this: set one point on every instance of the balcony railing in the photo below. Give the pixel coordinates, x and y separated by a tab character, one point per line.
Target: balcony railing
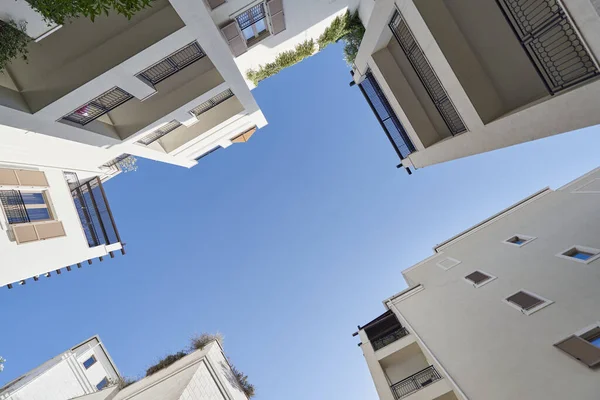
388	338
551	42
102	104
415	382
14	206
94	212
386	116
212	102
173	63
426	74
162	131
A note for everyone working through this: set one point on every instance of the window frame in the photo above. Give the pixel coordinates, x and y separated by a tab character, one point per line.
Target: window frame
478	285
258	37
546	302
105	385
595	254
92	357
528	239
580	333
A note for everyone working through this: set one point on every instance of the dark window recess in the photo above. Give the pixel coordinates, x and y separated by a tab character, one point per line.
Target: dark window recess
525	300
426	74
384	330
581	349
211	103
215	3
551	41
173	63
162	131
477	277
385	115
99	106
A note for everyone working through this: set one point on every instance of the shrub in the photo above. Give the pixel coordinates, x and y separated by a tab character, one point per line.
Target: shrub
242	380
13	42
199	342
347	28
283	60
60	11
165	362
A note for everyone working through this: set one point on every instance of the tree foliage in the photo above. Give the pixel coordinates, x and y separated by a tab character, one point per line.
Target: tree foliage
283	60
13	42
60	11
347	28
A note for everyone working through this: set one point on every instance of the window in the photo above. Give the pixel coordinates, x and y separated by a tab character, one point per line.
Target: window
527	302
22	207
89	362
519	240
253	24
447	263
583	346
102	384
479	278
580	254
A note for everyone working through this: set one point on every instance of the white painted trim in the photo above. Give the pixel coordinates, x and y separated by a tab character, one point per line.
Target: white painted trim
456	262
594	257
587	191
405	294
545	304
478	285
528	239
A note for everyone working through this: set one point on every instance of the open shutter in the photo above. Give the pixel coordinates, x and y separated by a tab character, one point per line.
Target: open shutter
581	350
277	16
25	233
215	3
236	42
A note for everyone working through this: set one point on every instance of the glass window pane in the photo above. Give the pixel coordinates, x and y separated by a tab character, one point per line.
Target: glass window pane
248	33
596	342
261	26
581	255
102	384
89	362
38	214
32	198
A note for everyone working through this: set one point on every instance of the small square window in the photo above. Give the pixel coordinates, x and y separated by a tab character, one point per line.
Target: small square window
102	384
527	302
89	362
519	240
479	278
584	346
580	254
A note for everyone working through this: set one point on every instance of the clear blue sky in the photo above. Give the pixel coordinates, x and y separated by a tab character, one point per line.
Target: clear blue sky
284	244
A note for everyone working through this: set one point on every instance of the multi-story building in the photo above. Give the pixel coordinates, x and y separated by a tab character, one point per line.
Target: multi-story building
504	310
452	78
86	372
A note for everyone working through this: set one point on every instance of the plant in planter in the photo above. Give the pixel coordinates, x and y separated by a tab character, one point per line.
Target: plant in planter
13	42
347	28
283	60
2	361
60	11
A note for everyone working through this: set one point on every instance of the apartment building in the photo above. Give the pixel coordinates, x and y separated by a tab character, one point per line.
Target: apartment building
452	78
507	309
169	84
86	372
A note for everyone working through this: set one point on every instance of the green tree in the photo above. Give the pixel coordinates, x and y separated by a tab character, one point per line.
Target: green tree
60	11
13	42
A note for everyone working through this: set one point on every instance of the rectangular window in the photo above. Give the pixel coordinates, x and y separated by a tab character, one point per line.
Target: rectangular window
102	384
583	346
253	24
22	207
519	240
580	254
479	278
89	362
527	302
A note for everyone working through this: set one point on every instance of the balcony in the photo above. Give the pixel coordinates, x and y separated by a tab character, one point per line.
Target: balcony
508	54
99	106
415	382
83	50
389	337
93	210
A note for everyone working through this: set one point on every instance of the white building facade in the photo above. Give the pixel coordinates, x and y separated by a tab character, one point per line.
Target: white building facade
448	79
504	310
86	372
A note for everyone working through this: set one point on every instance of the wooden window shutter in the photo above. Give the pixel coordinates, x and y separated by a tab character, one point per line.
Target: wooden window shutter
215	3
22	177
236	42
581	350
277	15
25	233
8	177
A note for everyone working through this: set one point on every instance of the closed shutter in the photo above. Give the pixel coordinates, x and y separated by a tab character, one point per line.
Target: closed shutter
277	16
25	233
215	3
581	350
22	177
236	42
525	300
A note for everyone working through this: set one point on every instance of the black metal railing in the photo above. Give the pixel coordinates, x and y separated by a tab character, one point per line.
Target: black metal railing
94	213
212	102
415	382
14	206
173	63
551	41
426	74
162	131
114	163
99	106
390	337
385	115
